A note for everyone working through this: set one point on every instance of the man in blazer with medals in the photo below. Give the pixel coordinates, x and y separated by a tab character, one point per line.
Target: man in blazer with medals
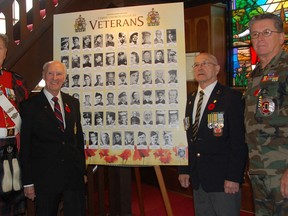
217	150
52	154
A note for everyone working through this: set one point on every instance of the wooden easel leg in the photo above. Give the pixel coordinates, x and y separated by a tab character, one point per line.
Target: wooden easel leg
163	190
101	191
139	190
90	190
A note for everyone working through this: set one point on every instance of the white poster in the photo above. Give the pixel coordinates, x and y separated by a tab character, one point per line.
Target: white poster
127	67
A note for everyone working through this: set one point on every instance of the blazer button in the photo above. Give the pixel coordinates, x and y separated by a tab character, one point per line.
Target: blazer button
63	143
198	154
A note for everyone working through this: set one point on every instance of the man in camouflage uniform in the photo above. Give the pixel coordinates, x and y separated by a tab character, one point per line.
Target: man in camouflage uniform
12	92
266	117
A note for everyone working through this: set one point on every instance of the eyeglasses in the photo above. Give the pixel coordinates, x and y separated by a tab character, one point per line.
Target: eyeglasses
203	64
265	33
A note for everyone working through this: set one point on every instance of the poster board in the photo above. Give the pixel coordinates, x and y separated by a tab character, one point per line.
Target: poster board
127	67
190	58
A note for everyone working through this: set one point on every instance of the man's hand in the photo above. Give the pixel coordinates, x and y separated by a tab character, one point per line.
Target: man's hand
29	192
184	180
284	184
231	187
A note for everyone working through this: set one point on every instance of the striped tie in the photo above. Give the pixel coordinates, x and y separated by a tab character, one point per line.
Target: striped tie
197	116
57	112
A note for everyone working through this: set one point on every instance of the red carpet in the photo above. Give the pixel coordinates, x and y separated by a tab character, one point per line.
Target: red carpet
154	205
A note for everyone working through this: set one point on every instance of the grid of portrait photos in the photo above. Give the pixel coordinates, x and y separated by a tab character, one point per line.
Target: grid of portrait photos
127	85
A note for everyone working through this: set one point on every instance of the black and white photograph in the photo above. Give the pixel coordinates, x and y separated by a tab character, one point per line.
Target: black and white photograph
172	76
75	61
134	77
133	39
76	43
135	98
160	117
93	140
147	117
172	56
110	118
87	82
167	138
122	99
173	96
154	138
122	39
122	79
135	118
87	116
110	40
122	59
129	138
98	99
159	56
98	119
65	61
87	99
122	118
75	81
147	97
98	59
105	138
64	43
87	42
146	38
110	59
158	37
134	58
171	36
173	118
147	77
160	96
147	57
110	78
110	99
117	138
86	60
98	41
160	78
142	139
99	81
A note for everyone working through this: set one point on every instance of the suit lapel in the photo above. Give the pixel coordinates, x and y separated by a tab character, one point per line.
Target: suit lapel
67	110
45	105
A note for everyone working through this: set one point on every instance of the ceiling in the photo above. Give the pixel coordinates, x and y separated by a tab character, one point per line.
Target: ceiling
187	3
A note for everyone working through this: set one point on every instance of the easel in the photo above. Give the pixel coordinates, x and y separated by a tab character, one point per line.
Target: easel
100	175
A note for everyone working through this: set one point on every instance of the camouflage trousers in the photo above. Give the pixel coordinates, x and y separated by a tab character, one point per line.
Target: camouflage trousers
268	200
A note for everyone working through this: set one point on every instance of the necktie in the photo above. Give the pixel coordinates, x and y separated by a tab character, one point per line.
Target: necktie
57	112
195	126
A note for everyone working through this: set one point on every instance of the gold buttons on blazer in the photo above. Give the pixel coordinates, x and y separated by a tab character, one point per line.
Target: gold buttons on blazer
198	154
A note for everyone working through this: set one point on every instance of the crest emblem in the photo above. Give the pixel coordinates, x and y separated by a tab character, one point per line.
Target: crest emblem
153	18
80	24
266	106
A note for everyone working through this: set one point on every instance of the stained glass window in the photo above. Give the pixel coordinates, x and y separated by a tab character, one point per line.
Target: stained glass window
244	58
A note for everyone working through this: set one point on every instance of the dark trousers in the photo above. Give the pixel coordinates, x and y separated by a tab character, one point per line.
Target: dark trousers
73	203
119	191
216	203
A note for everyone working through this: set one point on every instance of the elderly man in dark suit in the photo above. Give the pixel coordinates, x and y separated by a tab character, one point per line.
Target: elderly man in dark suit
217	150
52	154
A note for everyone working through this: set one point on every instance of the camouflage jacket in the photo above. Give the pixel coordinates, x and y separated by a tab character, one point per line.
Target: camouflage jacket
266	117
